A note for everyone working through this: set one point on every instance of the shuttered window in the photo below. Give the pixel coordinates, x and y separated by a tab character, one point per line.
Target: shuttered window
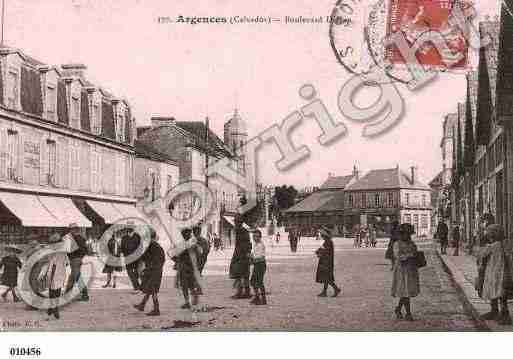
4	153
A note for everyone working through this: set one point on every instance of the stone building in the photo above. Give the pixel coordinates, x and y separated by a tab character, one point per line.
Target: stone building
66	150
191	144
386	195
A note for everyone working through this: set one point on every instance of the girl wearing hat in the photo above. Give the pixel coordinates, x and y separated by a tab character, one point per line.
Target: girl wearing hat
56	275
11	264
405	283
114	246
498	275
326	267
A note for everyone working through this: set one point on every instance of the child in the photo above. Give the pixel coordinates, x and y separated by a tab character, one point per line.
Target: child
11	263
259	268
56	275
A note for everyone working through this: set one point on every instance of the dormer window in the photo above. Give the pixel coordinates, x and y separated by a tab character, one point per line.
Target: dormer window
13	77
120	127
75	110
51	102
97	118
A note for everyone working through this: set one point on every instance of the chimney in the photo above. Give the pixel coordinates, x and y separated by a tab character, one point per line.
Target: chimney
356	173
158	121
413	174
73	70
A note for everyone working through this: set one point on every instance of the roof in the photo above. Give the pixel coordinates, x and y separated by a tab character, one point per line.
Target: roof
143	150
336	182
320	201
491	53
437	181
198	131
391	178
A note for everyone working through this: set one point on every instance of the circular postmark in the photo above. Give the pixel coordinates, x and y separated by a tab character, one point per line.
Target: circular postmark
363	40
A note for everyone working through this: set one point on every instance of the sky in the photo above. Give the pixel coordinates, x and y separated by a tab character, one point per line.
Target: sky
194	71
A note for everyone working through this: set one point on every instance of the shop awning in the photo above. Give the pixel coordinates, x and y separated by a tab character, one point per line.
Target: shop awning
130	211
229	220
106	210
29	210
65	211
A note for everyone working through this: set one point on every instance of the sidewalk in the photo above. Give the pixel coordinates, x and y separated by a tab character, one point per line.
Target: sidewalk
463	270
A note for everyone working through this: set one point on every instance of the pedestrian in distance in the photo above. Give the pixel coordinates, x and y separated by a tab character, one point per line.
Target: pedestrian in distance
442	232
497	286
405	282
130	243
456	239
113	246
277	237
394	236
259	269
78	250
153	259
11	265
56	274
326	266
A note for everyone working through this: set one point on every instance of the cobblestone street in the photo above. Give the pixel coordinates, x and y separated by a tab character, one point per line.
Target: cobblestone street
365	303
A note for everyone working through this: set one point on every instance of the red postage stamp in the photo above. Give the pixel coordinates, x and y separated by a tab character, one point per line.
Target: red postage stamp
415	17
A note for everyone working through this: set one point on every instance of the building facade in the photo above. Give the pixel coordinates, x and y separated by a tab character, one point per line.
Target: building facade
66	150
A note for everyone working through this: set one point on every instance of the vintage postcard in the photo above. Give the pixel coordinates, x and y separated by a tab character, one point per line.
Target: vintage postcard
332	165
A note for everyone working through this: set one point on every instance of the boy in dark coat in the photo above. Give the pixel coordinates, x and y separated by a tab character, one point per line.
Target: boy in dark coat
129	244
185	269
326	267
153	259
240	263
11	264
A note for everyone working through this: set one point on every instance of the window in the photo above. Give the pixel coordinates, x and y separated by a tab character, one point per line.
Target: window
12	88
187	155
390	199
350	199
74	165
52	162
424	221
51	102
376	200
423	200
364	200
75	111
169	182
407	199
97	118
13	143
120	127
407	218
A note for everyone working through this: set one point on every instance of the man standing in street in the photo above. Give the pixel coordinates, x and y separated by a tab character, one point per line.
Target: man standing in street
456	239
442	232
78	249
204	245
129	244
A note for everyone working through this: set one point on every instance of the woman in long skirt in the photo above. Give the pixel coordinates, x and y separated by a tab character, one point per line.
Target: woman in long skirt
405	283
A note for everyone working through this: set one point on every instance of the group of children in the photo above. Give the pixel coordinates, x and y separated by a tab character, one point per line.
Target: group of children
365	236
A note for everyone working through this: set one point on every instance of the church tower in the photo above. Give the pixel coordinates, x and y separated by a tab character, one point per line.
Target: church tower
235	137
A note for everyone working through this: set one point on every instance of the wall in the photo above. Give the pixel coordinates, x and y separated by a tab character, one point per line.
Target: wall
78	164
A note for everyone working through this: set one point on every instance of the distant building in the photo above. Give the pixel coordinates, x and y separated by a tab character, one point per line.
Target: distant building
322	207
382	196
386	195
191	144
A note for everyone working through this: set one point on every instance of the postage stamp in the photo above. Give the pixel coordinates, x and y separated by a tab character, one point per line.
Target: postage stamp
416	17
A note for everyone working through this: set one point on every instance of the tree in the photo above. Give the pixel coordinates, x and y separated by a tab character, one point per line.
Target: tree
284	198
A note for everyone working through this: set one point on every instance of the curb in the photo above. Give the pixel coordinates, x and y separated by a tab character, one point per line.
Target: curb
458	281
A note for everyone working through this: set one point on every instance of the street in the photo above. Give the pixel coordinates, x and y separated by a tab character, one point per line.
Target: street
365	303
